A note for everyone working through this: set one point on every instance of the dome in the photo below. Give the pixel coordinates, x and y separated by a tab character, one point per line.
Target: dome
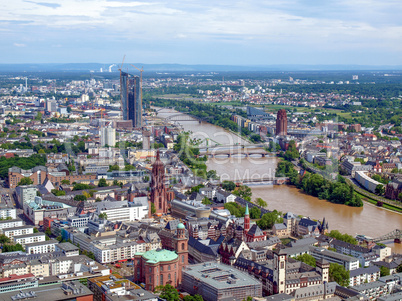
180	226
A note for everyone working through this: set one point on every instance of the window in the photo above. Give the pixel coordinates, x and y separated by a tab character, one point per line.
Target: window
182	258
168	267
150	269
161	279
182	246
169	276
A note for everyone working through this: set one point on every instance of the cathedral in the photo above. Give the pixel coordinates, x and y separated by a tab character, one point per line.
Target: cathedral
158	199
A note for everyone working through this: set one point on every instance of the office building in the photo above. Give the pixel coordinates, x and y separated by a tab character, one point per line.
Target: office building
281	123
131	101
108	136
215	281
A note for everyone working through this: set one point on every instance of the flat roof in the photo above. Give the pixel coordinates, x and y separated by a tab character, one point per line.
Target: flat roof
10	220
49	292
18	228
29	235
219	275
47	242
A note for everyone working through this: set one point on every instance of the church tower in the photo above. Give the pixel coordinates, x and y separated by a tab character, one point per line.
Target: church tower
246	220
181	246
279	271
158	189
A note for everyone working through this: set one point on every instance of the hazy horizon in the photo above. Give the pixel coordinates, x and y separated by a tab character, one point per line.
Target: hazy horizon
251	33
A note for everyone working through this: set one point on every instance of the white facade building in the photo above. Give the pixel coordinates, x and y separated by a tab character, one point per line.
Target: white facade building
7	212
41	247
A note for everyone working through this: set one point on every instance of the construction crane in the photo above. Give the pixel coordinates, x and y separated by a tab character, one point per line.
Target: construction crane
121	67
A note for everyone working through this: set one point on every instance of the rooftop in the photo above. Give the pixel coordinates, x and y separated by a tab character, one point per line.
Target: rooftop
159	255
219	275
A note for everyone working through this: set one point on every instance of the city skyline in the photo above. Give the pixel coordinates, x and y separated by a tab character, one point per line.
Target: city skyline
361	32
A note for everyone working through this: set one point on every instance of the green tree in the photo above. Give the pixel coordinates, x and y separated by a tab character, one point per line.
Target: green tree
80	198
48	231
384	271
206	201
343	237
38	116
25	181
211	174
244	192
228	185
57	192
4	239
306	258
339	274
65	182
255	213
269	219
260	202
168	292
399	268
193	298
153	209
102	215
35	230
379	189
102	183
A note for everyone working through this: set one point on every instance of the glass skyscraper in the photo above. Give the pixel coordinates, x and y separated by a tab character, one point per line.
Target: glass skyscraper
131	101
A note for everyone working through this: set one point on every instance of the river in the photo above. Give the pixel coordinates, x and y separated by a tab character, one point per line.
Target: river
368	220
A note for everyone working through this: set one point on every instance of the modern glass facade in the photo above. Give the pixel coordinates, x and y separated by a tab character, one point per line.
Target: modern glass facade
131	101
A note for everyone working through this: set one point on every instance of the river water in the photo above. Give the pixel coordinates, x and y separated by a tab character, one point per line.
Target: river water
368	220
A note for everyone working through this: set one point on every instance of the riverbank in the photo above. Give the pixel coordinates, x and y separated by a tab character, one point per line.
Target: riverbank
367	220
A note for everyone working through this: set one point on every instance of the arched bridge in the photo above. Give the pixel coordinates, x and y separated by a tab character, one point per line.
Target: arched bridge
185	117
396	235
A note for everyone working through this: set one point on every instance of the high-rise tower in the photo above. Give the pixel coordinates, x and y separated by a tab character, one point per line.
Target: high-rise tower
158	190
281	123
131	101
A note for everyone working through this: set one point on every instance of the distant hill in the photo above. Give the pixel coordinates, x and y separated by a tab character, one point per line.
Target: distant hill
86	67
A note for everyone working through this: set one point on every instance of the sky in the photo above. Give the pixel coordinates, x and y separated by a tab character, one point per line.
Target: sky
220	32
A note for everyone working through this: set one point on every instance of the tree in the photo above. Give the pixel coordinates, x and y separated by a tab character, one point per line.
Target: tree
38	116
115	183
65	182
211	174
102	183
269	219
384	271
153	209
25	181
4	239
244	192
194	298
260	202
343	237
339	274
228	185
57	192
80	198
48	231
206	201
255	212
399	268
379	189
168	292
35	230
102	215
306	258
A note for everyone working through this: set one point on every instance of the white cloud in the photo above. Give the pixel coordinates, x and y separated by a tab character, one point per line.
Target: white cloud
19	45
